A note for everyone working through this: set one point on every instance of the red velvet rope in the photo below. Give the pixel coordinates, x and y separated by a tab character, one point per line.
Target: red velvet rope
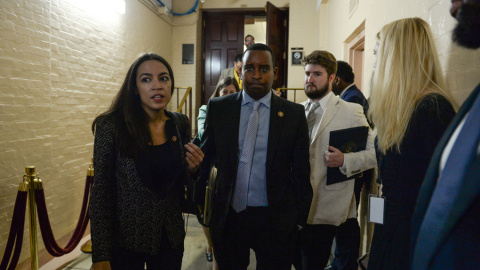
49	240
15	236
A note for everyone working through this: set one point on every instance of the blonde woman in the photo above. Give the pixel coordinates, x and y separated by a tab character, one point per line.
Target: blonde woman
411	108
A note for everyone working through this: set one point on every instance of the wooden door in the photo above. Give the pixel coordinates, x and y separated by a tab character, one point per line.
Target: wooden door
223	40
277	39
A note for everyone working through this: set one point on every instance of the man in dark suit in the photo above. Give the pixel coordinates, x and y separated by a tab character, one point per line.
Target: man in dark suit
344	86
347	238
275	203
447	216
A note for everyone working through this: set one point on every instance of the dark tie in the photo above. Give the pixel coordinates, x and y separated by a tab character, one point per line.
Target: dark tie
245	164
449	184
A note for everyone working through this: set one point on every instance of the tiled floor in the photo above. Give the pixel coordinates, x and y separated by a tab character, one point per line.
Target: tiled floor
193	257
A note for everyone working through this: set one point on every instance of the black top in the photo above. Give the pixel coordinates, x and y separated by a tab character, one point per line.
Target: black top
402	173
156	168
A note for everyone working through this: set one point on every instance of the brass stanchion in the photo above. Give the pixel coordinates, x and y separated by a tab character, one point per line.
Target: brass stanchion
87	247
90	169
32	180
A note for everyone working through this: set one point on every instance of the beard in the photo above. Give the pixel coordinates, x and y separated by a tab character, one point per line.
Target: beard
316	93
467	31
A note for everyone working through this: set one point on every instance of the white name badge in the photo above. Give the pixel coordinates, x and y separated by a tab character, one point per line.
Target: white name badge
376	209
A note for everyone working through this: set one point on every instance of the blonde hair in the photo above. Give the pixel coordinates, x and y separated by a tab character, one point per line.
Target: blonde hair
408	68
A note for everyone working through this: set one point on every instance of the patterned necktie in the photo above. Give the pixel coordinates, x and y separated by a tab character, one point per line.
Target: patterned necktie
311	117
245	164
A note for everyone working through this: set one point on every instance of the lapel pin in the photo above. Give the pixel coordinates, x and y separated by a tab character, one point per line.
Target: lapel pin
280	114
174	138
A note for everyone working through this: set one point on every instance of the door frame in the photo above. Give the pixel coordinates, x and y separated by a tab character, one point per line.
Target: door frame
212	12
355	50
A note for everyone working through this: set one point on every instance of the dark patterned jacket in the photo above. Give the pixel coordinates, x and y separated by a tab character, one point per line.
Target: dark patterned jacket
123	211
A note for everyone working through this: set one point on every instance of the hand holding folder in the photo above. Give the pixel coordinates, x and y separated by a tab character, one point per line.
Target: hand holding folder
346	140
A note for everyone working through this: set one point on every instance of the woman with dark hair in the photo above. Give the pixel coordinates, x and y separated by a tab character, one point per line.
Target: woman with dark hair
141	167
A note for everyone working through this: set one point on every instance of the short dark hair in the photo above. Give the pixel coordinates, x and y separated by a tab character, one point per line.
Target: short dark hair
249	36
238	58
261	47
345	71
324	59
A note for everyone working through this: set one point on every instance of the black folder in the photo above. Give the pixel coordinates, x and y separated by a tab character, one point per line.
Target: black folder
346	140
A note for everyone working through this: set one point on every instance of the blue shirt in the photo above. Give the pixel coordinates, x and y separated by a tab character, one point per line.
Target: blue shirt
257	188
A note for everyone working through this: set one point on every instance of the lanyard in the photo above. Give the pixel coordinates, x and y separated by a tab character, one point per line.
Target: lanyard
379	177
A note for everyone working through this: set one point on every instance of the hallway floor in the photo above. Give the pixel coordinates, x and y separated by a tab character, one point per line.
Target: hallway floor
193	258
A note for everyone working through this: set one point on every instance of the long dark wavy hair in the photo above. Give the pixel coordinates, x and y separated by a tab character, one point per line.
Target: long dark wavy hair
127	113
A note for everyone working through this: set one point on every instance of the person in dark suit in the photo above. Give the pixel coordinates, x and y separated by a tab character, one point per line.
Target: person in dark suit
344	86
261	200
447	214
347	238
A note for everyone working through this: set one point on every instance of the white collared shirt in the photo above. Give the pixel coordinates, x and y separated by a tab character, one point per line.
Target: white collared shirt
319	111
345	90
448	148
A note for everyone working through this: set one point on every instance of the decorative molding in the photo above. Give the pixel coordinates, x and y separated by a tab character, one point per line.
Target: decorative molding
353	5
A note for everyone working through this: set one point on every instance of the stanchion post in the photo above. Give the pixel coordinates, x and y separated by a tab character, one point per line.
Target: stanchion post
31	179
87	247
90	171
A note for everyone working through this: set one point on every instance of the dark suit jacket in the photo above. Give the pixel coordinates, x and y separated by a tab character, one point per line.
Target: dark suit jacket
289	191
353	94
453	243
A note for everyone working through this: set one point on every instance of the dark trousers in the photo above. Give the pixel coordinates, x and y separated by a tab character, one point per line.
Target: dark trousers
251	229
347	245
316	244
167	258
348	235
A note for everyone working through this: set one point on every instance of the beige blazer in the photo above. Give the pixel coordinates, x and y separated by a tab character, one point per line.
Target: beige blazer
227	72
333	204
